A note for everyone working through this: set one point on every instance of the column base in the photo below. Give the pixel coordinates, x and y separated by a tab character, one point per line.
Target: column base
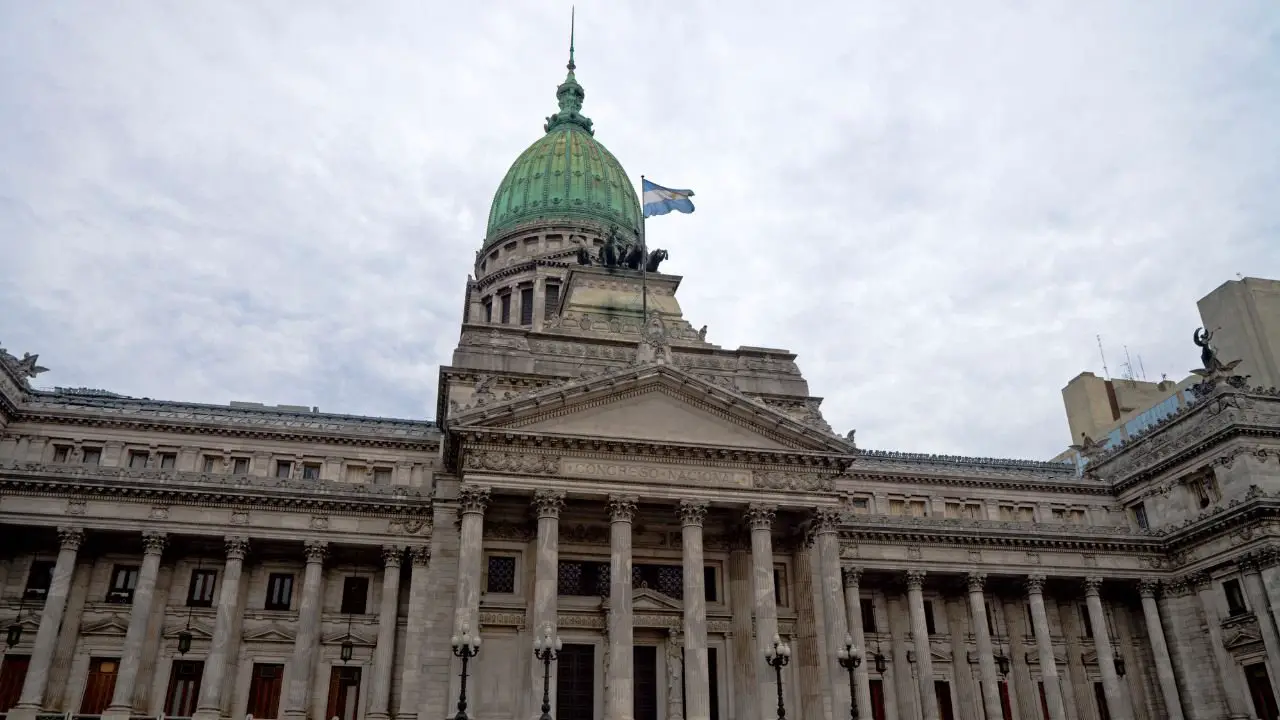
377	716
23	712
204	714
117	712
407	716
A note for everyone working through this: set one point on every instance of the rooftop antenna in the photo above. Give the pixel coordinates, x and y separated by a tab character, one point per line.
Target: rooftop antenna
1106	373
1142	369
1128	364
572	19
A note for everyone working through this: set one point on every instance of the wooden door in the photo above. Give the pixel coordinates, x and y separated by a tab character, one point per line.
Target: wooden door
1100	696
184	688
877	699
100	685
576	683
645	667
344	693
1264	700
942	689
264	691
1006	707
13	672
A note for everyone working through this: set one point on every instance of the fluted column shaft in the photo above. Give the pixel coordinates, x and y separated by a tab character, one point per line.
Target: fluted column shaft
853	611
697	700
209	705
548	504
306	641
1160	649
745	659
384	653
761	518
472	502
415	633
1260	604
139	617
1233	688
986	657
1106	654
826	522
1044	644
920	634
55	603
619	702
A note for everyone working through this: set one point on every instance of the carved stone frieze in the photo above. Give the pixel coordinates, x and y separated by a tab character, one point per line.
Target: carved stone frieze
587	534
803	482
521	463
507	530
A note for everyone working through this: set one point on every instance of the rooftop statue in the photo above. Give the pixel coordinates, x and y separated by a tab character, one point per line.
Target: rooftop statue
1209	360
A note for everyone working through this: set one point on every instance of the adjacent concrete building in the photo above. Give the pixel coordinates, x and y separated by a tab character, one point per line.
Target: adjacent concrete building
667	506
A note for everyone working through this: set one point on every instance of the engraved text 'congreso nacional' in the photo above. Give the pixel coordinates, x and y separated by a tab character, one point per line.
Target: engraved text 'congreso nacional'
657	474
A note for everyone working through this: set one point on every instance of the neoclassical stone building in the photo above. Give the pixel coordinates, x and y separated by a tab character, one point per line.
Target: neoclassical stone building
667	505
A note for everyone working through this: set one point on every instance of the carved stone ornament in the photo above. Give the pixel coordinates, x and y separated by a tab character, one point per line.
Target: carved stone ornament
975	581
852	576
76	506
692	513
410	526
319	522
159	512
826	520
523	463
419	555
239	517
1092	586
799	482
915	579
622	508
153	543
548	503
69	538
316	551
392	555
1147	587
1034	584
473	499
760	517
236	546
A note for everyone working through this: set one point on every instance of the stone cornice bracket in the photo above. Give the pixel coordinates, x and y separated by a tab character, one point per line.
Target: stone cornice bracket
473	499
852	576
915	579
622	508
237	546
760	516
1147	587
548	503
976	581
316	551
692	513
419	555
153	542
1249	562
1034	584
826	520
1092	586
69	538
392	555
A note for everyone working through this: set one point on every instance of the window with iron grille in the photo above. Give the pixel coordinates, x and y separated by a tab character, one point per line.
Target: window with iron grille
551	301
505	300
526	306
666	579
583	578
502	574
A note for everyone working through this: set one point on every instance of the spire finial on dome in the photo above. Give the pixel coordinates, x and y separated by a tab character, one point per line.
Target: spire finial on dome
572	12
570	94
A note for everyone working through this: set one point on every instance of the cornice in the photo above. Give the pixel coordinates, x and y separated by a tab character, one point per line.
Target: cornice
1039	468
928	531
556	260
993	481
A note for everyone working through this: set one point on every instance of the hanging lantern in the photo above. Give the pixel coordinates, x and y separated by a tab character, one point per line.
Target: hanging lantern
15	635
184	641
1119	663
881	663
347	649
1002	662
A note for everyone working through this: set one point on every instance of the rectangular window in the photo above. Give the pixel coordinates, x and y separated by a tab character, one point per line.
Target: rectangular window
311	471
356	473
1044	702
551	302
39	578
666	579
709	583
780	586
382	476
279	591
1026	514
1085	623
919	508
92	456
209	463
184	688
1007	513
1100	698
713	682
501	576
283	468
861	506
488	310
168	461
1235	597
991	626
897	507
1140	515
264	691
584	578
124	578
868	615
1031	626
505	301
200	592
526	306
240	465
355	595
1059	515
942	690
928	618
61	453
137	459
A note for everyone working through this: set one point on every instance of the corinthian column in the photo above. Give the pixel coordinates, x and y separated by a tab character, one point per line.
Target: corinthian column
1102	645
760	517
826	522
853	611
139	617
619	699
1160	649
1257	594
982	635
472	502
384	653
920	634
697	700
548	504
419	556
1044	643
55	602
1233	687
306	641
209	705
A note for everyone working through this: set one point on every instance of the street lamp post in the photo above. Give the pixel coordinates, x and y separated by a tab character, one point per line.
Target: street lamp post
778	655
465	646
546	649
850	658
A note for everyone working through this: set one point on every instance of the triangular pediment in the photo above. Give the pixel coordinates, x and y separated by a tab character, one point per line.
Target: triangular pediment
341	637
198	631
270	633
658	403
654	601
1240	638
110	626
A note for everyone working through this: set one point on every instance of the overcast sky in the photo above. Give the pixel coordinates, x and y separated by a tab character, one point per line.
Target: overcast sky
936	205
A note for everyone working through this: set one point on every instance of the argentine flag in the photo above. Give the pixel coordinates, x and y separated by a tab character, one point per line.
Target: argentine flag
660	201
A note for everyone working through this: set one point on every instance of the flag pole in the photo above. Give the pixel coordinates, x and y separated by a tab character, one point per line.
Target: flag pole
644	266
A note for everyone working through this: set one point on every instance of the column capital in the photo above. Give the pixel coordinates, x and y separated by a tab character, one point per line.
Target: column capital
153	542
1035	584
392	555
852	576
419	555
1197	581
760	516
316	551
622	508
1092	586
976	581
69	538
1147	587
825	520
915	579
692	513
473	499
236	546
548	503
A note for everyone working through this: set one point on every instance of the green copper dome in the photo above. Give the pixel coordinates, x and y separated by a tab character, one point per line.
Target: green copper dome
566	175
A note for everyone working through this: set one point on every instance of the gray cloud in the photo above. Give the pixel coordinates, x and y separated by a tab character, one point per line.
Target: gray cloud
936	206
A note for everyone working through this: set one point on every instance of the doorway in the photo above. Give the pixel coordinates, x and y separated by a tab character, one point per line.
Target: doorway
100	685
1264	701
184	688
344	693
576	683
13	672
645	667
